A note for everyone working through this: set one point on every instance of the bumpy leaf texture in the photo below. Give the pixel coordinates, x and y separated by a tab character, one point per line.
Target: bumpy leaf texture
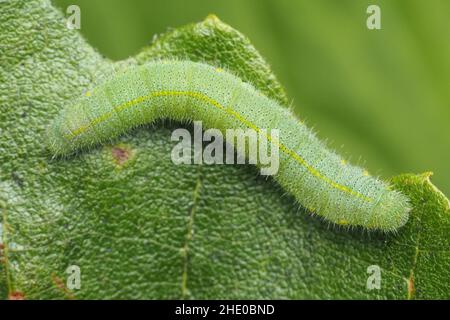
139	226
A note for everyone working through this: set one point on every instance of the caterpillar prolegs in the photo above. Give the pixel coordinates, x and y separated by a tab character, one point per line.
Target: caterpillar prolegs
182	90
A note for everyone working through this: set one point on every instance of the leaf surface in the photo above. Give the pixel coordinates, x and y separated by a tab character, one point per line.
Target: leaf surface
139	226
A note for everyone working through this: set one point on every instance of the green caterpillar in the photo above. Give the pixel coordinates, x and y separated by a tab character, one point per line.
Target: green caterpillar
182	90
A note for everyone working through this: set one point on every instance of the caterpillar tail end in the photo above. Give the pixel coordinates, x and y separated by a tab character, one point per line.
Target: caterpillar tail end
58	141
391	213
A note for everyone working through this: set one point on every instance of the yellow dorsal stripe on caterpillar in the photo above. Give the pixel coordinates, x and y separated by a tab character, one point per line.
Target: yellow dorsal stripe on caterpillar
228	110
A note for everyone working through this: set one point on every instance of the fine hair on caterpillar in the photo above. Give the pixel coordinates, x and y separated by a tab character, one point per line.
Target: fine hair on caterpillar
248	144
318	178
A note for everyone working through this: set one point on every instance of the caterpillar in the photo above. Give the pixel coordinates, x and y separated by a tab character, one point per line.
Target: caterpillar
318	178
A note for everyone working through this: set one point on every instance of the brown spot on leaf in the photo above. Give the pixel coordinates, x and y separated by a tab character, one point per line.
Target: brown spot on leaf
16	295
411	288
121	154
59	283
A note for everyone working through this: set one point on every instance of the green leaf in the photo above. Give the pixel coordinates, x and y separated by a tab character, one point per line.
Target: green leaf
140	227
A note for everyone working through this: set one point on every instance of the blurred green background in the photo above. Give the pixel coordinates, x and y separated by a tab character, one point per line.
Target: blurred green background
382	97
